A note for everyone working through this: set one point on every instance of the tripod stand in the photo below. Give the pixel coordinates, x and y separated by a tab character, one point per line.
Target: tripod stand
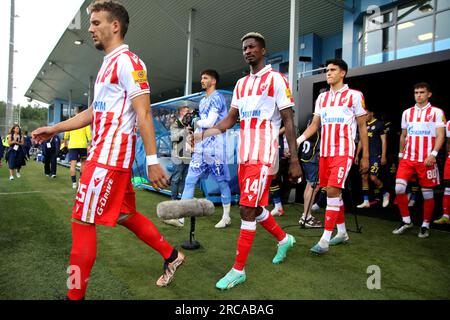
310	203
353	207
191	244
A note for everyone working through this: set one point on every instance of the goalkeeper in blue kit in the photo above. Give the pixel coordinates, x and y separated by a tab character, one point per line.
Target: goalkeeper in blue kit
209	155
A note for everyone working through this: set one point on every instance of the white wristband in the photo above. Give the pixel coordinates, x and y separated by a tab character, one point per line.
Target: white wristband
434	153
152	160
301	139
400	155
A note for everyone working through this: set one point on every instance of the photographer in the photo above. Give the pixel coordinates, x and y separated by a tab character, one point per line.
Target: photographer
179	133
180	130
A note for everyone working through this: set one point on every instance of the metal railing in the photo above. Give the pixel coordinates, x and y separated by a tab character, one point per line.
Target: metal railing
318	70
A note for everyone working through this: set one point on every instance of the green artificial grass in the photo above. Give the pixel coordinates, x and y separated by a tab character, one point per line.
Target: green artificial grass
35	242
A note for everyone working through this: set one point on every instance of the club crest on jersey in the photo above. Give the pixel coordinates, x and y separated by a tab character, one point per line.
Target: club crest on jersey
139	76
429	117
264	86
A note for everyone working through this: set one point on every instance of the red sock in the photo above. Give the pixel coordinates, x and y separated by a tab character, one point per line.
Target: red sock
341	216
82	258
446	204
428	207
330	219
244	244
272	226
402	203
145	230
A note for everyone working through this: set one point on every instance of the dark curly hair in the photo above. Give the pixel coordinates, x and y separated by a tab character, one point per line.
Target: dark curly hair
11	132
116	12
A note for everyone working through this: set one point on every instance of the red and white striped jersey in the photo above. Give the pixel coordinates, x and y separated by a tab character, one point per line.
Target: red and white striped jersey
259	98
447	133
420	125
338	112
122	77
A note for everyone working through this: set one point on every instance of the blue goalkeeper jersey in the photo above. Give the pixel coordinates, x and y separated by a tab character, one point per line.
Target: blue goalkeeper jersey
214	145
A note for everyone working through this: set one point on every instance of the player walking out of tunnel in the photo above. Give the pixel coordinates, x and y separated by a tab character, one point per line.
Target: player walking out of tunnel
445	219
377	158
261	100
105	194
340	110
423	134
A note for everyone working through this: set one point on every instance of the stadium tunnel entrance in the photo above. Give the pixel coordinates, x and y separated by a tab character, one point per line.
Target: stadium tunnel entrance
388	91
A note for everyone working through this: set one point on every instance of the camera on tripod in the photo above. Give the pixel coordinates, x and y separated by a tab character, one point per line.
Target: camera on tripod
190	118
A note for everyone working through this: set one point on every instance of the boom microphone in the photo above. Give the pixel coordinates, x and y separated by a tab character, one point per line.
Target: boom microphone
176	209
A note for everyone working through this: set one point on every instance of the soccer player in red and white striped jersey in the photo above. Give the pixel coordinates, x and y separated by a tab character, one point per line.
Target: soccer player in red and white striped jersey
105	194
445	219
339	111
261	100
423	134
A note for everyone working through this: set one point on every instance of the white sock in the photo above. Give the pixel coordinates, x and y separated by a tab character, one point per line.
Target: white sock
226	210
278	206
285	240
181	220
324	243
426	225
326	235
239	271
407	219
447	216
341	228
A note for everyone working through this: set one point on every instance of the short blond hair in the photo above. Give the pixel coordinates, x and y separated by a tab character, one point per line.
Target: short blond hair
256	35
